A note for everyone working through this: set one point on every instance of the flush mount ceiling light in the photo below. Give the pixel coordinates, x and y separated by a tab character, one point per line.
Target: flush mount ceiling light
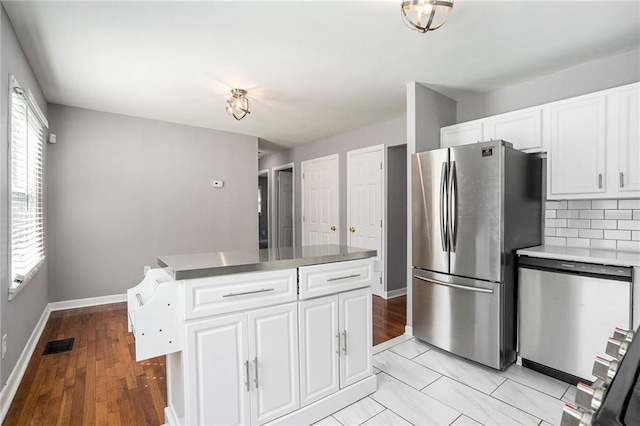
238	104
426	15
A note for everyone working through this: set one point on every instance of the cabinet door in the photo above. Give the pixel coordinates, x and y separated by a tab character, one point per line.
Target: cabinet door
273	348
523	129
319	348
629	145
355	335
217	377
578	142
461	134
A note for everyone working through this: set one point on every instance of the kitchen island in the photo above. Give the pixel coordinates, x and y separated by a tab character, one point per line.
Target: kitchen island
279	336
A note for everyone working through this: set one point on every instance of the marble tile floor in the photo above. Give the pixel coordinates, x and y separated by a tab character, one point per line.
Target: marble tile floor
422	385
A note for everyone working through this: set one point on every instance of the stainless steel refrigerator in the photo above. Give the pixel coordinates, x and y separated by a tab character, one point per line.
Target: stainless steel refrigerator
473	207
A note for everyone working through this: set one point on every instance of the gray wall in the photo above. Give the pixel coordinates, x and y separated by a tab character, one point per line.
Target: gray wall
590	77
388	133
123	190
396	217
19	316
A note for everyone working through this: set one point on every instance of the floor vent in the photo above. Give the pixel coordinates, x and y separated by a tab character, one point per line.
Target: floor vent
57	346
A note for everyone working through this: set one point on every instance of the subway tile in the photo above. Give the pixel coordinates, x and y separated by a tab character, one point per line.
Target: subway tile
591	233
550	232
568	214
531	401
566	232
556	205
629	204
580	204
636	214
358	412
617	214
591	214
629	246
617	235
550	214
555	241
578	242
604	204
403	369
556	223
603	224
603	244
635	235
579	223
629	224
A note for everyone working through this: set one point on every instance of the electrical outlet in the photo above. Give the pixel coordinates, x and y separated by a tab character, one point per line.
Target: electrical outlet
145	270
4	345
218	183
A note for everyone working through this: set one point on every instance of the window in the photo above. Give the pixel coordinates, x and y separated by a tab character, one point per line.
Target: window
26	200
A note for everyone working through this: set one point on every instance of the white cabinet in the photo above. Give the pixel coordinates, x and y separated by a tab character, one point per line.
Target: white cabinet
629	140
243	368
578	145
461	134
522	128
335	343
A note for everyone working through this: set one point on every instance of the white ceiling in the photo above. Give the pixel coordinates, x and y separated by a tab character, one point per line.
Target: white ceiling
312	69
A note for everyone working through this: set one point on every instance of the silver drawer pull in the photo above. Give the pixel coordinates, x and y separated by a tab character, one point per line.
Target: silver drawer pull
246	370
344	333
346	277
263	290
255	362
139	297
459	287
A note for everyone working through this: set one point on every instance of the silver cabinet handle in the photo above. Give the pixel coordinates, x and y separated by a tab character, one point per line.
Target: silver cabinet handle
338	343
621	180
246	372
343	278
443	200
255	362
453	207
263	290
139	297
458	286
600	180
344	333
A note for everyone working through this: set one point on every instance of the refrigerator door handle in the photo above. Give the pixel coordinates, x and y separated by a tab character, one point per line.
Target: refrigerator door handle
443	202
458	286
453	207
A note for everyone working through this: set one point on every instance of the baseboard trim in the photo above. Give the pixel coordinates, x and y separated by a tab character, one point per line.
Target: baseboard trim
389	343
408	330
90	301
13	382
395	293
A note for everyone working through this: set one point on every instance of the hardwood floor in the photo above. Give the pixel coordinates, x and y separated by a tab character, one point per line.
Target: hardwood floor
98	382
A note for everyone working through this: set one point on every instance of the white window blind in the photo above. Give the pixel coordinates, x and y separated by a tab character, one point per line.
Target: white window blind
27	176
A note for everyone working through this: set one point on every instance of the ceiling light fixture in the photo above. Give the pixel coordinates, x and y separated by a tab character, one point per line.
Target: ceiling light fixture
426	15
238	104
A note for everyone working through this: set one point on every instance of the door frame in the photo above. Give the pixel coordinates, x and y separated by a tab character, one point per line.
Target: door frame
265	173
383	200
273	187
335	157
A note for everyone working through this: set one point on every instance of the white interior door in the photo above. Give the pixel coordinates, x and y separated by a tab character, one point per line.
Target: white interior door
285	208
320	212
365	205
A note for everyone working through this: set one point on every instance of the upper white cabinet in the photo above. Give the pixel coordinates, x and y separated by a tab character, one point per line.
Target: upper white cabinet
578	146
522	128
461	134
629	140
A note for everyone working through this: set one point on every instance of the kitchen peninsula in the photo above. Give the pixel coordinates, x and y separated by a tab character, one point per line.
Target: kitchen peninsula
280	336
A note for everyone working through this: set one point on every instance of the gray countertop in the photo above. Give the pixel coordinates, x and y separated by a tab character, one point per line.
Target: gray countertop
605	257
188	266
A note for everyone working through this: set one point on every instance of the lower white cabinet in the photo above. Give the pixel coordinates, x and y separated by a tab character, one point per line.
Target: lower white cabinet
335	343
243	368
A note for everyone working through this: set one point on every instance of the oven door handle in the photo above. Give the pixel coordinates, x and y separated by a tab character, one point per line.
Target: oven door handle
457	286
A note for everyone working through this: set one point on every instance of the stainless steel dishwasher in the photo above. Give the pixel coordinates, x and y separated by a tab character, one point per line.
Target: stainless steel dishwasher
566	310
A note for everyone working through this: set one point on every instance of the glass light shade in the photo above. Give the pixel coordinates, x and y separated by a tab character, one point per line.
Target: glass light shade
238	104
426	15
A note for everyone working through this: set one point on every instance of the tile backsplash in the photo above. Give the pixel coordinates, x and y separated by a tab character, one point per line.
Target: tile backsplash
599	224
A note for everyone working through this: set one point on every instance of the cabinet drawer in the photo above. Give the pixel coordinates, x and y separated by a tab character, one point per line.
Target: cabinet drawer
329	278
230	293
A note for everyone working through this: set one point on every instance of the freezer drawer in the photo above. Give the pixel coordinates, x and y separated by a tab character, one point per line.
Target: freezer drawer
565	318
458	315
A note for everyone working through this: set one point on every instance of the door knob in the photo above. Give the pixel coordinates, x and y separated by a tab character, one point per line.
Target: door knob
352	229
333	228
